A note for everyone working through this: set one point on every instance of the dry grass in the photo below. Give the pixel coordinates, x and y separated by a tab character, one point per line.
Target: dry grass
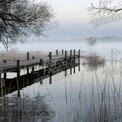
93	58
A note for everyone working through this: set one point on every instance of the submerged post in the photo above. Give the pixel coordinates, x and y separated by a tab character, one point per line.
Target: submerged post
18	77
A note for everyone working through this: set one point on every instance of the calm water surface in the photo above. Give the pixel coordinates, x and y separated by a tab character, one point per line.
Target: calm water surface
91	94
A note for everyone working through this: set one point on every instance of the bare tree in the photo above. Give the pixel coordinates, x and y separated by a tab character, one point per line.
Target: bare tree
105	7
22	17
91	41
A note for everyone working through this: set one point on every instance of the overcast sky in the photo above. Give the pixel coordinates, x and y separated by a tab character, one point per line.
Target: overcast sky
74	21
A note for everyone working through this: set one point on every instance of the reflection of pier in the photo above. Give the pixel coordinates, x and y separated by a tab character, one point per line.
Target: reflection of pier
49	66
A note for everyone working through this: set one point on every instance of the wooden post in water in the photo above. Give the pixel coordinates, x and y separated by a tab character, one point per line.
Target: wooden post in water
79	60
50	68
1	84
5	74
74	61
78	56
18	70
18	77
65	63
62	52
32	69
41	62
65	54
50	56
74	55
28	57
70	61
56	52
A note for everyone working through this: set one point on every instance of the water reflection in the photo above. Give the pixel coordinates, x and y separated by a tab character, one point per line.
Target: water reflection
13	109
92	67
93	96
80	97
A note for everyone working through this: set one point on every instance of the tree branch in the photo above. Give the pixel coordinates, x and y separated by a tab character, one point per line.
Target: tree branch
104	8
20	17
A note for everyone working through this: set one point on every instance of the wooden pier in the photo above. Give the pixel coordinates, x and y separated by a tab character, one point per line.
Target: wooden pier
49	66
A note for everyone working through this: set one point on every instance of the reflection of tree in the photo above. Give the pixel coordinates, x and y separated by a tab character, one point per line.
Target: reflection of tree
91	41
26	109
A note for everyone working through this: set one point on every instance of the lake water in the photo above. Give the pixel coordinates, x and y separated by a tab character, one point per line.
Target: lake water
92	94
